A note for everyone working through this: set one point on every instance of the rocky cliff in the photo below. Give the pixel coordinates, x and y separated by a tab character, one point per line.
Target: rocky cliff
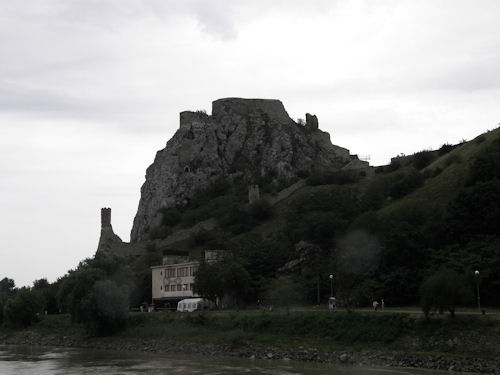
244	138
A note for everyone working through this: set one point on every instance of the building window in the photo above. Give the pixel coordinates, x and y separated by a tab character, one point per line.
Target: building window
179	287
192	270
172	288
182	271
170	272
191	286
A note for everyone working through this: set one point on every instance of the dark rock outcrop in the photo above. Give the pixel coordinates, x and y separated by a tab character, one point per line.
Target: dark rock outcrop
242	138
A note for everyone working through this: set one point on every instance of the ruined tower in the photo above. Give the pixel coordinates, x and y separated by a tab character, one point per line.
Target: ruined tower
253	194
105	217
108	238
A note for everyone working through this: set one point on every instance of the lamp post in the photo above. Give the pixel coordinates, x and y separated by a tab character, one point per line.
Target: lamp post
476	272
331	285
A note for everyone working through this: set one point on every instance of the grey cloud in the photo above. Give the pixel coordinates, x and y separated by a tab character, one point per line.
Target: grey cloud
128	114
481	74
215	17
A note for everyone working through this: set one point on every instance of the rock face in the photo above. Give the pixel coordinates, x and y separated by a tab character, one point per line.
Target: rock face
243	138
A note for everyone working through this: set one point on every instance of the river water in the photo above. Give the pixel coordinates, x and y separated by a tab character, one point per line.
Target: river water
28	360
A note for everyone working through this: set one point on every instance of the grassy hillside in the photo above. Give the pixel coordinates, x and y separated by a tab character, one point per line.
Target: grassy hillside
421	213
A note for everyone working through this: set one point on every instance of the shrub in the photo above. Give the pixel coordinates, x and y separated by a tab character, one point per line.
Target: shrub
423	158
106	308
480	139
303	174
485	167
283	293
394	166
429	173
97	292
261	210
333	177
445	149
452	158
201	237
443	290
407	184
170	216
7	291
25	308
159	233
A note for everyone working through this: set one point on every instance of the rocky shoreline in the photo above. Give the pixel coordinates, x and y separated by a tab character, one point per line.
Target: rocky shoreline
345	357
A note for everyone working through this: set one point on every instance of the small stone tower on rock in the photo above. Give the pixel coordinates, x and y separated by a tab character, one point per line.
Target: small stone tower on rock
253	194
105	217
108	237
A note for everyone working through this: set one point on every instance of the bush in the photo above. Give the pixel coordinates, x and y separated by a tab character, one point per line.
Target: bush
236	219
394	166
283	293
333	177
97	292
452	158
261	210
475	211
159	233
106	308
443	290
7	291
407	184
201	237
215	189
485	167
170	216
423	158
430	173
25	308
445	149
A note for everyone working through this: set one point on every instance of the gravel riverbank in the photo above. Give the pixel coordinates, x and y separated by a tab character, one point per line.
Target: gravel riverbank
355	358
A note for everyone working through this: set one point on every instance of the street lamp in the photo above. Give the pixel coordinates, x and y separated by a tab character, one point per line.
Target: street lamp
476	272
331	285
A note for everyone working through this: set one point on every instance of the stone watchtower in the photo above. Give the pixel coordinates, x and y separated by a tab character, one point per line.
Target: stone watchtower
253	194
311	122
108	237
105	217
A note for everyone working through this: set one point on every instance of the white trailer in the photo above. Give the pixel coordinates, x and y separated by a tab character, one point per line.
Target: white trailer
193	304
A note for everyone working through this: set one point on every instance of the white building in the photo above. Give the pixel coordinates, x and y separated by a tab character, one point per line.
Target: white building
174	279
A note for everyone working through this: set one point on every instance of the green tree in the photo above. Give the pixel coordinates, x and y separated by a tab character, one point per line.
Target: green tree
7	291
7	288
475	211
25	308
141	269
423	158
283	292
408	183
49	293
106	307
443	290
225	282
356	260
261	210
81	290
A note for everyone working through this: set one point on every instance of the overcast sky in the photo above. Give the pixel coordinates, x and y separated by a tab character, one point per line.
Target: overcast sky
91	89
